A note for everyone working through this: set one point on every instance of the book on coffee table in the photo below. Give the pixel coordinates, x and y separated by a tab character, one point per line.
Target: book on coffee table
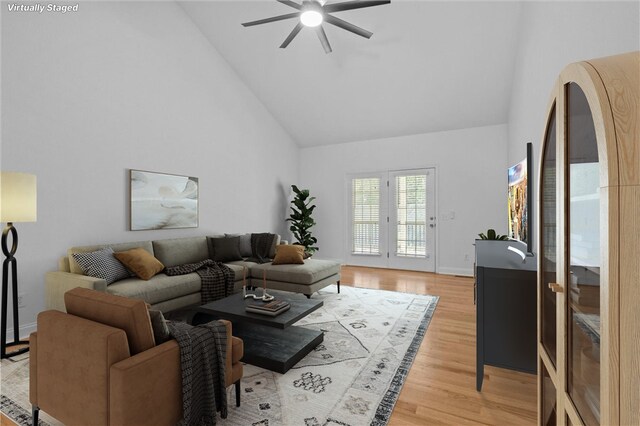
272	308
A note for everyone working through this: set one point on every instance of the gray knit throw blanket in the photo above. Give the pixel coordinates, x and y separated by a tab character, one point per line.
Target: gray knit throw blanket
203	351
260	247
217	279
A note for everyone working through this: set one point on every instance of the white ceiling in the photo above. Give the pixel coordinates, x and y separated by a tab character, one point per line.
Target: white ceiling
429	66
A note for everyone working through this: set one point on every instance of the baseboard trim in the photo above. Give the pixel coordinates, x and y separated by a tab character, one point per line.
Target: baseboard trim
456	271
25	331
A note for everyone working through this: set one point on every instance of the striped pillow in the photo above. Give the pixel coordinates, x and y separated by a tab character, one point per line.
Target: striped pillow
101	264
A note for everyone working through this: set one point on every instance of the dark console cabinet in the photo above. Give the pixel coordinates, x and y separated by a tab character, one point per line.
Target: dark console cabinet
505	309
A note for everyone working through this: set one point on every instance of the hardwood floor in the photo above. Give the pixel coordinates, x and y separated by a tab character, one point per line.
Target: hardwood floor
440	387
4	421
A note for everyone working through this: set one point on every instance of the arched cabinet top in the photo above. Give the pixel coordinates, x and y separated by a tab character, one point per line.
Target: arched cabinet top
621	78
612	88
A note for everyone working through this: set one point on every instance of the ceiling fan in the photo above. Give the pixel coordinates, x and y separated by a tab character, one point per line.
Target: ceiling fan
312	13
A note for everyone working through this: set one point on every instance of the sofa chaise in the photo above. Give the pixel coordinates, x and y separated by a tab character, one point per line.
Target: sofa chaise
167	293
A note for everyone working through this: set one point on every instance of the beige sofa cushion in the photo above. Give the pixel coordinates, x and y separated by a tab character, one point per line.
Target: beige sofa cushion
76	269
158	289
245	243
126	314
238	266
179	251
237	271
311	271
245	263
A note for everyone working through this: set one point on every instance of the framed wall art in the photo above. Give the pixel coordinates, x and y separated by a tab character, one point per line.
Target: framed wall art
162	201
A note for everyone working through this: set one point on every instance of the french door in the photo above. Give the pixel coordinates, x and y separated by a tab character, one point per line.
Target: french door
392	219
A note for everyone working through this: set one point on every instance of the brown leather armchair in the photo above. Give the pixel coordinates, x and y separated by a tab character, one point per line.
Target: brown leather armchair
98	364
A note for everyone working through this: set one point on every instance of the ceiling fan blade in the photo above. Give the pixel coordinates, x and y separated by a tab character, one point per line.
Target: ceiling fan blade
323	39
290	3
350	5
273	19
293	33
347	26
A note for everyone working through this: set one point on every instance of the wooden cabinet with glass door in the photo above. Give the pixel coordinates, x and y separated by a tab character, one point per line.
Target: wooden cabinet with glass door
589	244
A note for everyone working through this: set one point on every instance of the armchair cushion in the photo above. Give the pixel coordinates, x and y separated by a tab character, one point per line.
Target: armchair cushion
161	331
237	349
130	315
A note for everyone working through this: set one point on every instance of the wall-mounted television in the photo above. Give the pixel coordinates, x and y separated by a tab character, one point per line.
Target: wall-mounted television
520	199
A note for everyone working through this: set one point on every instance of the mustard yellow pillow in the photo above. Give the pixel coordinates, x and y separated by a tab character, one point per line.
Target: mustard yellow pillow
140	262
289	254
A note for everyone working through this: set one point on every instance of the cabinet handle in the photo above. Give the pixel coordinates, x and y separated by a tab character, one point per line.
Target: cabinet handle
556	288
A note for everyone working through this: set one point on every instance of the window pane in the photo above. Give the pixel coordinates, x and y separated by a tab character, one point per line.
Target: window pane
548	399
366	216
548	241
411	207
583	349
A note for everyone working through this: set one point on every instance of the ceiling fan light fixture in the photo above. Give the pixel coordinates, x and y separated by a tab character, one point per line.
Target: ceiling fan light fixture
311	18
312	13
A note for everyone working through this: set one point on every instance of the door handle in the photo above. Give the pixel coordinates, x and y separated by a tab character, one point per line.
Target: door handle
432	225
555	287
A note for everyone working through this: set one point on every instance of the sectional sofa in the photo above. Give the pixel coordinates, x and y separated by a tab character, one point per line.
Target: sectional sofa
167	293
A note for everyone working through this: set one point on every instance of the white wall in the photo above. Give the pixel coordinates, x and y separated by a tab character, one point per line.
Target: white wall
555	34
88	95
471	169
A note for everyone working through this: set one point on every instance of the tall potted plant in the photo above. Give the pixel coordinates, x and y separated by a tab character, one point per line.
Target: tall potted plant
301	220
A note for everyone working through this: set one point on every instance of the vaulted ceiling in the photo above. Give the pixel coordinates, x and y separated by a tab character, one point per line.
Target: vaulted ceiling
430	66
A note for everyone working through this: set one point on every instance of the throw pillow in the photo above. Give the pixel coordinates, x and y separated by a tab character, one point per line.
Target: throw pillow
140	262
245	243
101	264
274	243
225	249
159	325
289	255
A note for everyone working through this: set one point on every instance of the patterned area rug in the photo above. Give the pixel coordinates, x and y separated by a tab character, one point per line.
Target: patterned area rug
353	378
14	399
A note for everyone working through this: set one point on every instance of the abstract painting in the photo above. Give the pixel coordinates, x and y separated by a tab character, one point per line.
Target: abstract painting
163	201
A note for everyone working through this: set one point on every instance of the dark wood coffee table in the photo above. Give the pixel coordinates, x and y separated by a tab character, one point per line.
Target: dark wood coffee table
269	342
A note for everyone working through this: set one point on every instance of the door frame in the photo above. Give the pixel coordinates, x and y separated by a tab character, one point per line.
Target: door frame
397	262
382	260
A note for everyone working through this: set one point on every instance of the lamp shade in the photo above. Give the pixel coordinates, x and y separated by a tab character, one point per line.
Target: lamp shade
18	197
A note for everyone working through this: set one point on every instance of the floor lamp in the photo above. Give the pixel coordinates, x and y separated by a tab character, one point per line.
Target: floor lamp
17	204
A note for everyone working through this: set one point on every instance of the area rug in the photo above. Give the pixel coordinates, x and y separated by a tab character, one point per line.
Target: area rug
352	378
